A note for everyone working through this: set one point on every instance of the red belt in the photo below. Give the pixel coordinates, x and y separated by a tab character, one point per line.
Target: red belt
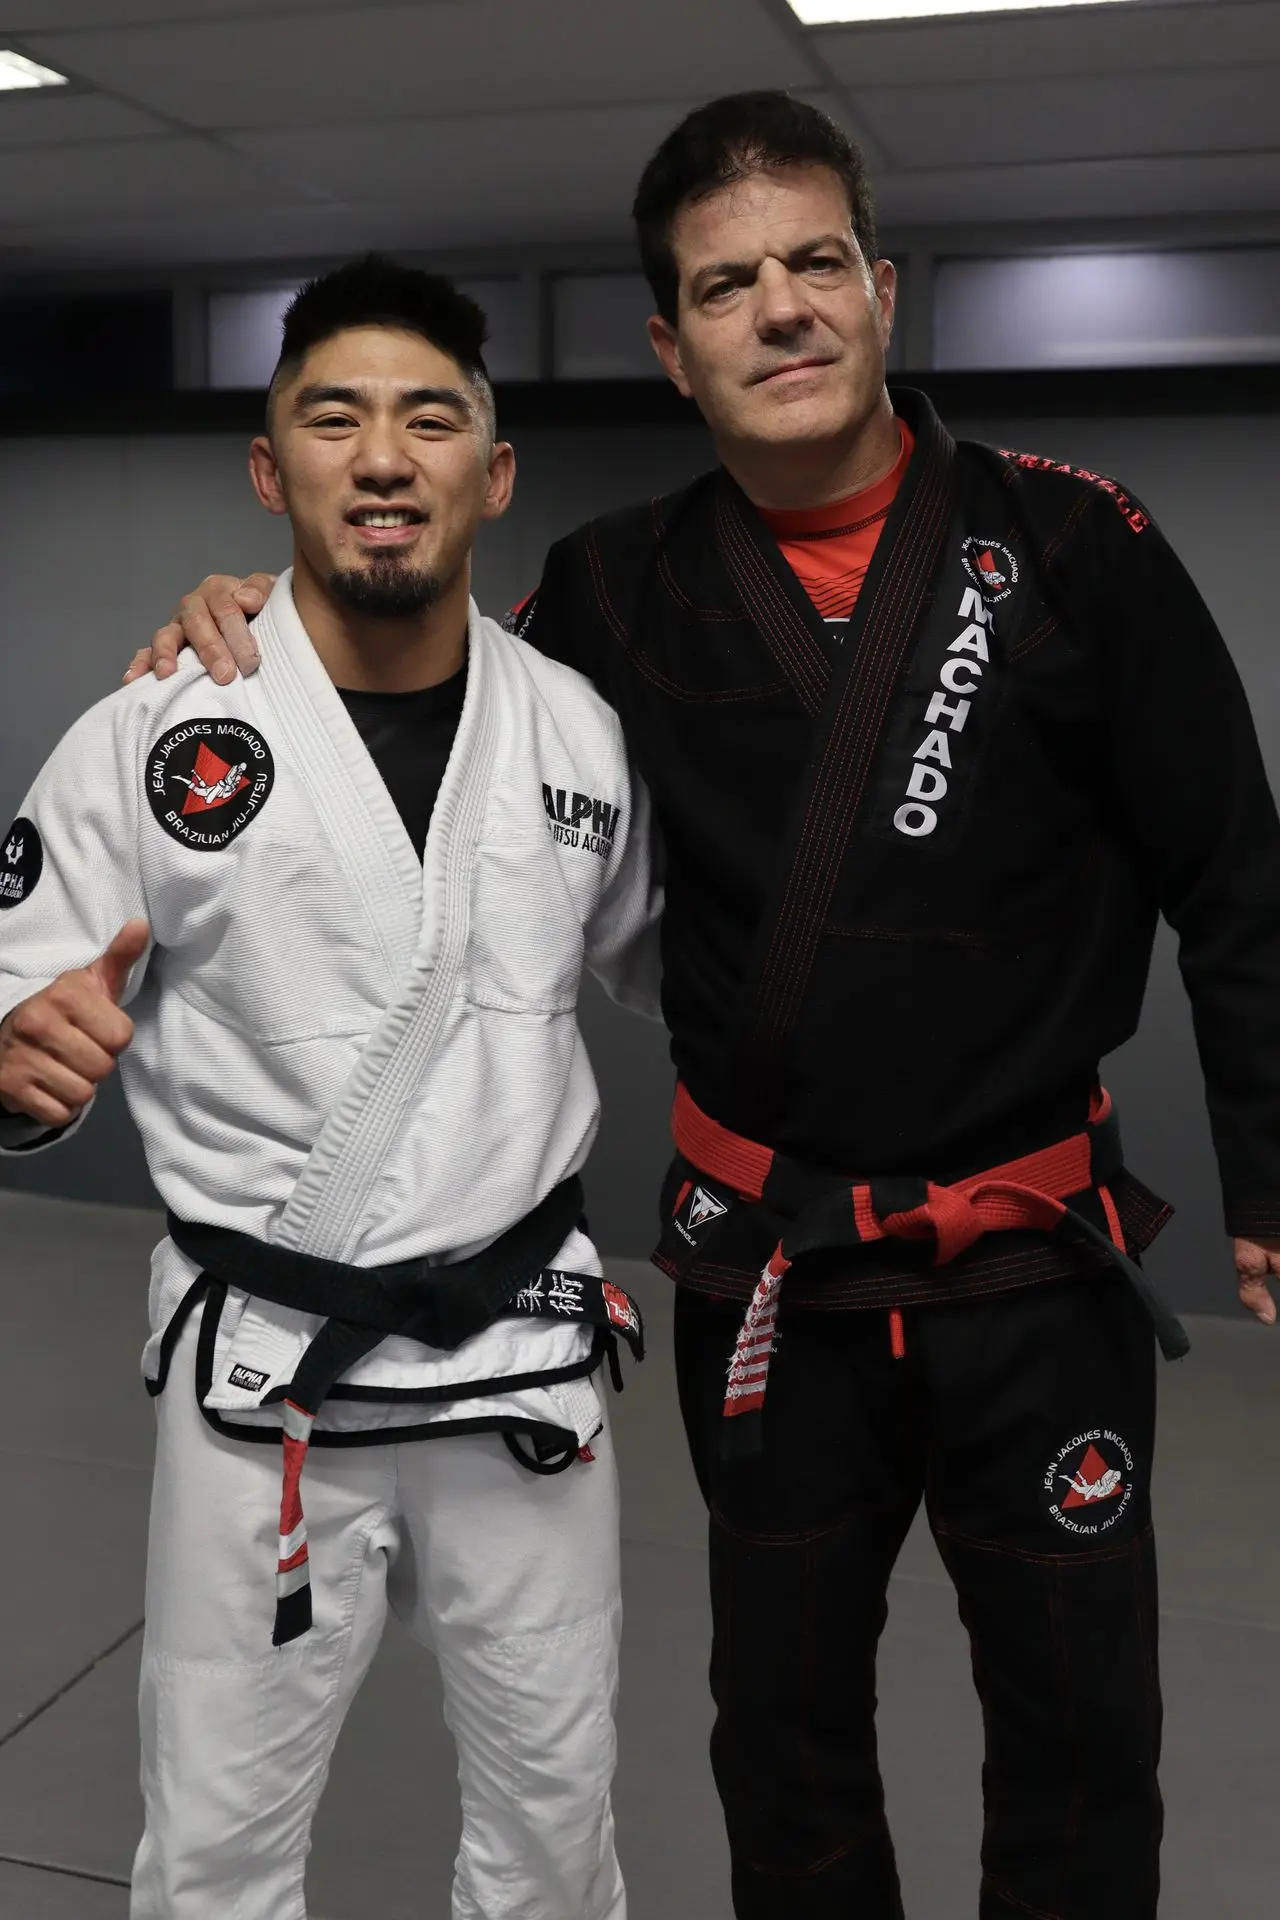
1028	1192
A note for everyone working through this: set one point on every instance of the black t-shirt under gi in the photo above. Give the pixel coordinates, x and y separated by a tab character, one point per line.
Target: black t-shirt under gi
409	737
913	881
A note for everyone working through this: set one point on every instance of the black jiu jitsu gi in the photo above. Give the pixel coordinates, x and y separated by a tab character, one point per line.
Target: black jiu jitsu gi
913	881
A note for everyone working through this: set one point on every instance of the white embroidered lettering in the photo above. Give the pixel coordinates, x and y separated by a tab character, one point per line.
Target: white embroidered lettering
926	783
934	747
927	786
955	667
956	712
972	640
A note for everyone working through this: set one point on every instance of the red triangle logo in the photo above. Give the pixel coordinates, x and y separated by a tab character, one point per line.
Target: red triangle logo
208	783
1092	1481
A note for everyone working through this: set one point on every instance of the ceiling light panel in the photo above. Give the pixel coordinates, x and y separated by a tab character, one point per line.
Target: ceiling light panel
843	13
19	73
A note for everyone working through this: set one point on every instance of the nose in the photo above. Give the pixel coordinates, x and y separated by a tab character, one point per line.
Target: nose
383	462
783	308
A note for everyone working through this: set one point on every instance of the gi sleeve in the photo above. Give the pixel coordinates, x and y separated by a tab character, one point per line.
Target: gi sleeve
1195	801
623	935
553	619
71	875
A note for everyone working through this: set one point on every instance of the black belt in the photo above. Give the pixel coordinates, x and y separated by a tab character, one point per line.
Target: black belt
438	1305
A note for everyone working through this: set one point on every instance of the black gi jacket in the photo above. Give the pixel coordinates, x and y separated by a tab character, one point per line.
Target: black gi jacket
913	880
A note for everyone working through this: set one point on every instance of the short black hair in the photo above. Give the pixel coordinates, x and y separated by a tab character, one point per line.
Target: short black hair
376	291
728	140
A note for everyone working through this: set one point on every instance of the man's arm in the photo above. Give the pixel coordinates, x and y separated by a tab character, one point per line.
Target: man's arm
622	937
1187	771
73	930
215	621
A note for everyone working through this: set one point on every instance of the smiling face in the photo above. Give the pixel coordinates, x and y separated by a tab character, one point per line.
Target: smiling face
782	328
381	452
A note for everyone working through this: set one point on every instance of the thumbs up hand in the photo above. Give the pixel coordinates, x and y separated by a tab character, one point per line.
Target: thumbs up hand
56	1047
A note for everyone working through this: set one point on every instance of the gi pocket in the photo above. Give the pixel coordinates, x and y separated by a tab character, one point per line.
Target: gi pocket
526	947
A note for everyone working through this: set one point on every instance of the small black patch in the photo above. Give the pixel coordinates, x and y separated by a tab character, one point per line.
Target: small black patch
246	1377
21	863
207	779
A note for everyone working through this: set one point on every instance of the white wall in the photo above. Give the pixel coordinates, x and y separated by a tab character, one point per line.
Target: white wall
98	537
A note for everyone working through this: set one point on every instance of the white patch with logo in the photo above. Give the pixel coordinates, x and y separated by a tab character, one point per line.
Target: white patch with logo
702	1207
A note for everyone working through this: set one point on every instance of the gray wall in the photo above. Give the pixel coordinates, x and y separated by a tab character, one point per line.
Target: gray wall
98	537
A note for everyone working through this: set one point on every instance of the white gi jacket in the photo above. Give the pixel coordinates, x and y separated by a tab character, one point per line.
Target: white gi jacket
336	1048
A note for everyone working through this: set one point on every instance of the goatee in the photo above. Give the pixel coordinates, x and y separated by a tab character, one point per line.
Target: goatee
386	588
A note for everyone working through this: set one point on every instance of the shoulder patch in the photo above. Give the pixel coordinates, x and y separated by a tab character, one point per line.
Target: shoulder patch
207	780
21	863
520	618
1132	515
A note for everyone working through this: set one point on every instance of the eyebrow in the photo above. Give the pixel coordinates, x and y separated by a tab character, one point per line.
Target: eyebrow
317	395
742	269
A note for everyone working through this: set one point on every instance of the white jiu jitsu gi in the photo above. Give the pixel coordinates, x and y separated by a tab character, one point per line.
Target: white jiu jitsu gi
344	1052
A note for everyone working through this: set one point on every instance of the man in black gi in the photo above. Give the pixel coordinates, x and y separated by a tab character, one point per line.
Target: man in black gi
935	732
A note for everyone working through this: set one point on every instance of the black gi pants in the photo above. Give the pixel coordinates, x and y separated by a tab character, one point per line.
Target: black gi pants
1026	1424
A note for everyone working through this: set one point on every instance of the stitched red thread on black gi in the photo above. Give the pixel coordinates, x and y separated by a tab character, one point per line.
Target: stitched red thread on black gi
876	656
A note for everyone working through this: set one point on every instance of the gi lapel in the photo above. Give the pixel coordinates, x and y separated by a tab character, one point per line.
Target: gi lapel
776	603
327	1207
849	724
364	830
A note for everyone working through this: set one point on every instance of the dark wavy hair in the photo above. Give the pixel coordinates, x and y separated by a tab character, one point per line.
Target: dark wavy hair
729	140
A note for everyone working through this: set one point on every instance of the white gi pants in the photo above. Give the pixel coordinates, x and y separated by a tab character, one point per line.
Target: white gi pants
510	1576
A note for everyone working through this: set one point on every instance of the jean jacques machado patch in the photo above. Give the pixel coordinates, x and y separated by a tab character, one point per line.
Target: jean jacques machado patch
207	780
1088	1485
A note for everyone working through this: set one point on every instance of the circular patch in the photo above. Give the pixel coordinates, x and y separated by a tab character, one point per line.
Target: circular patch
21	863
991	566
1088	1484
207	779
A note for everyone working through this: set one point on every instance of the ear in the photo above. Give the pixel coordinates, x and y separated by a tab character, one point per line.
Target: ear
264	471
665	343
885	276
502	480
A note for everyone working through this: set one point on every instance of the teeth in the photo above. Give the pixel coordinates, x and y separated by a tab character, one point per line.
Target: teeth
372	519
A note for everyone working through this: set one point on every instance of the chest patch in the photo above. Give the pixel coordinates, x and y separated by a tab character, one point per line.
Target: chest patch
207	779
992	568
580	820
21	863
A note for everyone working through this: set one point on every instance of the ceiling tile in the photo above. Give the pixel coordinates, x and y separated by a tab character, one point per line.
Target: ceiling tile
1022	46
455	178
448	56
23	18
1104	190
59	119
1221	110
116	179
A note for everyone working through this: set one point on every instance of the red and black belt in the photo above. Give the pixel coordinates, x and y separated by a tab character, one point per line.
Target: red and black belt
1034	1192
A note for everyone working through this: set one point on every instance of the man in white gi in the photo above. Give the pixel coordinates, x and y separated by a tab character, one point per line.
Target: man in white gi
347	906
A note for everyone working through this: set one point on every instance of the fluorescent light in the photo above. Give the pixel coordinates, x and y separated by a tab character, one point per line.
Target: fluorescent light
17	71
839	13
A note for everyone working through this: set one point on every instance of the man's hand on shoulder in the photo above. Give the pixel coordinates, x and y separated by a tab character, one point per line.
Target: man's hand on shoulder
56	1047
1258	1263
214	620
